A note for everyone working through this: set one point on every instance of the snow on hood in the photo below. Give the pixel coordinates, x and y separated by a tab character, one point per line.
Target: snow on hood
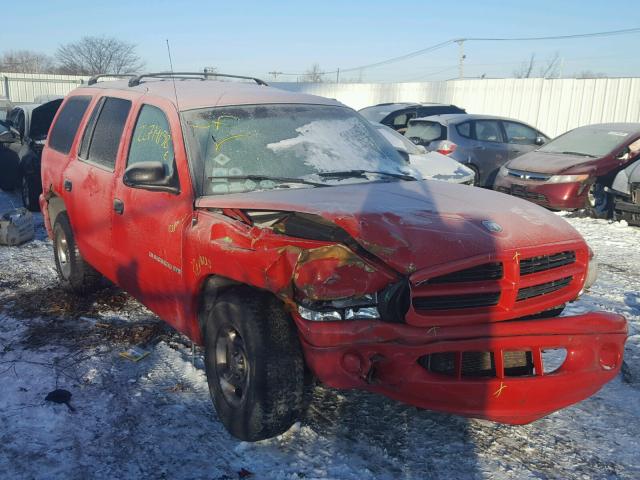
436	166
415	225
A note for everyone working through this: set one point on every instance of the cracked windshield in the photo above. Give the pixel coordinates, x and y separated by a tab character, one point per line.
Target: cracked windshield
247	148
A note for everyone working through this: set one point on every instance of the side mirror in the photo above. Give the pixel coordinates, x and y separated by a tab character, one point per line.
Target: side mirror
149	176
540	141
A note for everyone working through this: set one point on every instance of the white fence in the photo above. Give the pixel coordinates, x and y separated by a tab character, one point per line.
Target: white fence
553	106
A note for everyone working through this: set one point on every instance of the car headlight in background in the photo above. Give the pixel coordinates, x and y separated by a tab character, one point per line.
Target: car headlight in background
568	178
360	308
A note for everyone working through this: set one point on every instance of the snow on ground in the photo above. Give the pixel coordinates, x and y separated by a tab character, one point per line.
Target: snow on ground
154	418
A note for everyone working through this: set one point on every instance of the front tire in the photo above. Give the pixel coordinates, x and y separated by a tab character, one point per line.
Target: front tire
254	364
599	202
75	274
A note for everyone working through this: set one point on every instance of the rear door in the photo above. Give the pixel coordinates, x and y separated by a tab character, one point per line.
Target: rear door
520	138
88	182
148	231
488	149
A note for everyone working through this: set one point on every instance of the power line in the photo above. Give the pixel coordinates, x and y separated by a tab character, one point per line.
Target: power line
440	45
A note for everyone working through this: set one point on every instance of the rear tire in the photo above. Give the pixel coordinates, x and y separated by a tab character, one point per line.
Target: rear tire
31	190
254	364
75	274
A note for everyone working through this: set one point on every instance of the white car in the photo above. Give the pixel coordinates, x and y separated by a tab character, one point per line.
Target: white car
431	165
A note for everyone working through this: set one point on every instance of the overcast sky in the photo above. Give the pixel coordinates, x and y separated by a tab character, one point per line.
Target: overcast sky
255	38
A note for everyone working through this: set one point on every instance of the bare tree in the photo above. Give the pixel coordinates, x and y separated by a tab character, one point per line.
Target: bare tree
551	68
26	61
94	55
526	69
314	74
590	74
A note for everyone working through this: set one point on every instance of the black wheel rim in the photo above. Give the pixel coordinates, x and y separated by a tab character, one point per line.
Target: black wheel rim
232	366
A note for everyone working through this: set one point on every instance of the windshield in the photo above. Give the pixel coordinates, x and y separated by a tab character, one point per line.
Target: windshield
398	140
378	113
589	142
263	147
426	132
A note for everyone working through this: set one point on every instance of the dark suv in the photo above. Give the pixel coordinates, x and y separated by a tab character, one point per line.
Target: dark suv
397	115
283	233
483	143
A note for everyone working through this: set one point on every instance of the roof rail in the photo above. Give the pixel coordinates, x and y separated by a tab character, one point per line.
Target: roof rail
136	80
94	79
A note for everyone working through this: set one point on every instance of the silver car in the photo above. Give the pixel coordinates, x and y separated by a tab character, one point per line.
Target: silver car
483	143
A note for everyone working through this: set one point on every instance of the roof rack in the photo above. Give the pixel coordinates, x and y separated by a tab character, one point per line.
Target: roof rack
94	79
136	80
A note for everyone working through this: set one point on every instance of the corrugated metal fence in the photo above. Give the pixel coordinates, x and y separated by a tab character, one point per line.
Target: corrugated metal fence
554	106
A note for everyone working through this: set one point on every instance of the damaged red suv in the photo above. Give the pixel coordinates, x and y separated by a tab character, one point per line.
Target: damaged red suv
286	236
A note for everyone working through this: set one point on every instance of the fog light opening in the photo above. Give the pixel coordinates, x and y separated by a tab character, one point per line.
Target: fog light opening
609	357
553	359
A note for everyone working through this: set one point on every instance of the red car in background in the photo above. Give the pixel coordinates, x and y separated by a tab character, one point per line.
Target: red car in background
574	170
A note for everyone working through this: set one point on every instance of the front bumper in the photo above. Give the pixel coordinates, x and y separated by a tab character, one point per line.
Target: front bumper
386	358
557	196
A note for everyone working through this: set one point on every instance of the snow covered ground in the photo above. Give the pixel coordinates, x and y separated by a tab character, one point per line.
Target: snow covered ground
154	418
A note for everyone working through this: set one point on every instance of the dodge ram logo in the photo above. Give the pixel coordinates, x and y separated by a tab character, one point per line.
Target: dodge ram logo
491	226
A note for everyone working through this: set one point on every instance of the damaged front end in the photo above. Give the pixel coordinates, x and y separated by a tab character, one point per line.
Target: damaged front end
463	337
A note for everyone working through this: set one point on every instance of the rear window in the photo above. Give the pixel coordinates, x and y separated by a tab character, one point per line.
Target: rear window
425	132
64	130
105	140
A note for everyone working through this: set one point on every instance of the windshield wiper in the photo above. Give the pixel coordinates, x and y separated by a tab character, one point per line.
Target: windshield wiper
581	154
259	178
361	173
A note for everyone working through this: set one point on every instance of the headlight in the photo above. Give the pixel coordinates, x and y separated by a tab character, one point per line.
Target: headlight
504	171
568	178
360	308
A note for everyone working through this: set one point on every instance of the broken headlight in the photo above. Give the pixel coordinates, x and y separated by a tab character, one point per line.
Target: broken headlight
592	271
359	308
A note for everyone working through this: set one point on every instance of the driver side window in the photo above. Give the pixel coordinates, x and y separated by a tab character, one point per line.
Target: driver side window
151	141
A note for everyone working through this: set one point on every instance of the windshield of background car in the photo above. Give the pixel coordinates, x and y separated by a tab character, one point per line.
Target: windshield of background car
288	141
378	113
426	132
593	142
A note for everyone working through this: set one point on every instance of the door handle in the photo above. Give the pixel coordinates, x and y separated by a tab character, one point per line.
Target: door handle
118	206
68	185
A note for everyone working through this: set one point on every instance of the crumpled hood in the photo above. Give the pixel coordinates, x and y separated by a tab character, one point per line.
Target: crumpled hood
41	118
552	163
435	166
415	225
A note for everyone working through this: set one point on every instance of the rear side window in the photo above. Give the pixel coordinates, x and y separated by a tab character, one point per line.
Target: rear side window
464	129
151	141
424	132
107	132
66	126
488	131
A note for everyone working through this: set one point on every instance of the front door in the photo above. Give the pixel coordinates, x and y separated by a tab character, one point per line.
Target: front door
489	150
520	138
148	230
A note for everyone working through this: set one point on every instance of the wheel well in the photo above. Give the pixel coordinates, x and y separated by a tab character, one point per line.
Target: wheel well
56	206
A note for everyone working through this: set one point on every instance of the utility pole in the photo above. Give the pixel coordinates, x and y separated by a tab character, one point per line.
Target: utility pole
338	75
461	57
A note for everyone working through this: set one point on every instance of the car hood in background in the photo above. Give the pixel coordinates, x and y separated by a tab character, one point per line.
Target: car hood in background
623	180
41	118
552	163
436	166
416	225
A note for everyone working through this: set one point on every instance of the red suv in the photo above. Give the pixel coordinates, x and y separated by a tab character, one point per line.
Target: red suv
284	234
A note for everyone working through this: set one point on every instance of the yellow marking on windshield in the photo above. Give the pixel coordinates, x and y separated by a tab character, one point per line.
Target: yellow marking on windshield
230	137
